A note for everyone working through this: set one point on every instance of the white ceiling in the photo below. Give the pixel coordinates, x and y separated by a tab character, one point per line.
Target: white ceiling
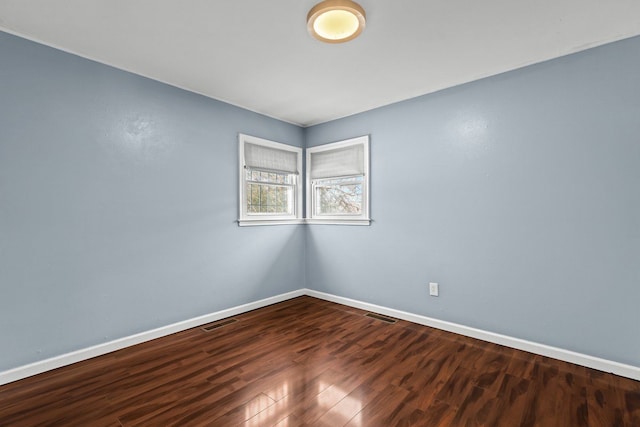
257	54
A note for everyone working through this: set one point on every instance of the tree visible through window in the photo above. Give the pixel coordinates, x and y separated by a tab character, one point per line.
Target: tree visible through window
269	192
339	196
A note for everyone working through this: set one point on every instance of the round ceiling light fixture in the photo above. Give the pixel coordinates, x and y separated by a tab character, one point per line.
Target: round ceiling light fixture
336	21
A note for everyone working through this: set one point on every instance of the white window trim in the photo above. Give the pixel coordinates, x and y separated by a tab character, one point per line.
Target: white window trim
245	219
362	219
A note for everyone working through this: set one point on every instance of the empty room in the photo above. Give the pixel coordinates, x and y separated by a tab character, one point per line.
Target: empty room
319	213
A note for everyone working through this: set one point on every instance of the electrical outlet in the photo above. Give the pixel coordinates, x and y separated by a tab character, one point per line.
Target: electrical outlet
433	289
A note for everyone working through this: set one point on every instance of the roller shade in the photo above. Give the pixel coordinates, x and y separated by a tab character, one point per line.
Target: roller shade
346	161
270	159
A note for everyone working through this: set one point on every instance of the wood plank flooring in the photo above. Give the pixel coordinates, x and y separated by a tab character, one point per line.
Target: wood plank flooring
311	362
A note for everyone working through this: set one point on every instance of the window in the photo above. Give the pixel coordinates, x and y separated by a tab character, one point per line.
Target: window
270	188
338	182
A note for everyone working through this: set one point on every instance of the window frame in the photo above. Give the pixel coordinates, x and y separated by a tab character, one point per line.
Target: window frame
246	218
341	219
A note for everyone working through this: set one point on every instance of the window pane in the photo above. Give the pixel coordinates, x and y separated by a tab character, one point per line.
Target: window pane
342	196
271	198
271	177
280	198
255	195
263	196
267	198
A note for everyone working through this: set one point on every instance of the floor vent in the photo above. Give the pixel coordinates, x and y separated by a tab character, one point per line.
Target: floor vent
213	326
379	317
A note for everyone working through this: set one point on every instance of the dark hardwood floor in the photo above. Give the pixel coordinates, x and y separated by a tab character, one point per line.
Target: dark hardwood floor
311	362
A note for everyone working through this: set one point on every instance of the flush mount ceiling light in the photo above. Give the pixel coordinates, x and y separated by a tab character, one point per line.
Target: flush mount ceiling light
336	21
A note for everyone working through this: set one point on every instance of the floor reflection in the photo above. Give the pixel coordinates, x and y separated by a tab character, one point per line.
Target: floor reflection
289	405
342	405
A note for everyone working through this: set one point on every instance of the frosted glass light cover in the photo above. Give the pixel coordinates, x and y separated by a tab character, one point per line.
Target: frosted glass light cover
336	24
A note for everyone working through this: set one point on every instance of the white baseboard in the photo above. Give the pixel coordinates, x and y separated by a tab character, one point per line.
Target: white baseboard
605	365
35	368
100	349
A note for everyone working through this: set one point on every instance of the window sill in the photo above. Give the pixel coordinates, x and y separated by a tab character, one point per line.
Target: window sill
254	222
337	221
297	221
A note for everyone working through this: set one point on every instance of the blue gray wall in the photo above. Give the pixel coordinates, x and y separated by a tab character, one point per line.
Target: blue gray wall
118	197
519	194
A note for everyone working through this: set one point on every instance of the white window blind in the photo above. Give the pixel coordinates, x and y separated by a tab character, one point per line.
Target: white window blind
336	163
270	159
